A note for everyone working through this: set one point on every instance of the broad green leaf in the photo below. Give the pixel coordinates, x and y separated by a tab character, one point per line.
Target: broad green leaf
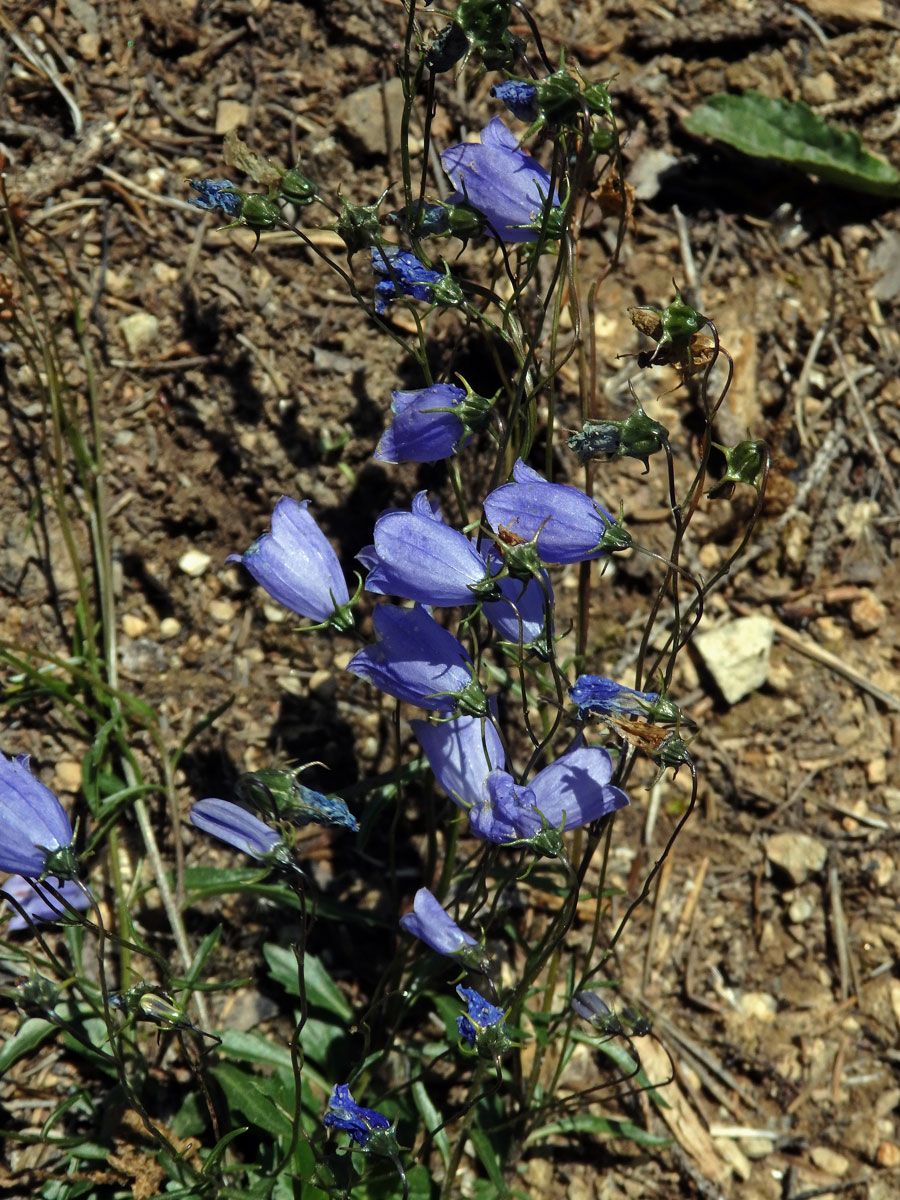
253	1097
790	132
321	990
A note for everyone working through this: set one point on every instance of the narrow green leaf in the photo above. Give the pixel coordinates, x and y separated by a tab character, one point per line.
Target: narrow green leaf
790	132
253	1097
28	1037
488	1158
431	1118
220	1147
605	1126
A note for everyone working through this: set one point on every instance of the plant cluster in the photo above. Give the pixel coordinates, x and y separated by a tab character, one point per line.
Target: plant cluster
457	615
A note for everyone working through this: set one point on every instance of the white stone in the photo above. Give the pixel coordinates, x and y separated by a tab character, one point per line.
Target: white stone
140	330
194	563
737	655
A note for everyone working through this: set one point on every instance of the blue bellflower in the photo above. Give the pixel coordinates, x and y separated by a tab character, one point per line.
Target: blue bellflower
232	824
520	617
502	182
39	903
418	557
461	753
216	195
416	660
35	835
420	432
344	1113
483	1025
520	98
297	566
568	525
571	792
429	922
403	275
599	695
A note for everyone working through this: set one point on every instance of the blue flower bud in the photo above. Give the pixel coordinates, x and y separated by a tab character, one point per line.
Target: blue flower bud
596	695
296	565
361	1123
520	98
35	835
279	793
483	1028
217	195
403	275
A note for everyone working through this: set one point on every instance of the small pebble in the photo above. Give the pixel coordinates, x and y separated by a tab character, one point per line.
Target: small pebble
759	1005
867	614
169	627
887	1155
221	610
133	626
797	854
275	613
194	563
737	655
68	774
829	1160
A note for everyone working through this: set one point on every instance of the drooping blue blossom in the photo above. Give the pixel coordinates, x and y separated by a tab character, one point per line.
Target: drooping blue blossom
297	566
520	617
520	98
484	1025
427	426
502	182
39	903
416	660
277	791
344	1113
461	753
239	828
35	835
572	791
435	927
568	525
599	695
216	195
418	557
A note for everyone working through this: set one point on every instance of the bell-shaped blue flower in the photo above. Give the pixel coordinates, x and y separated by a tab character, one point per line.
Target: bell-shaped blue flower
426	427
435	927
297	566
232	824
35	835
484	1025
568	525
40	903
217	195
502	182
418	557
520	98
416	660
361	1123
461	753
599	695
571	792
